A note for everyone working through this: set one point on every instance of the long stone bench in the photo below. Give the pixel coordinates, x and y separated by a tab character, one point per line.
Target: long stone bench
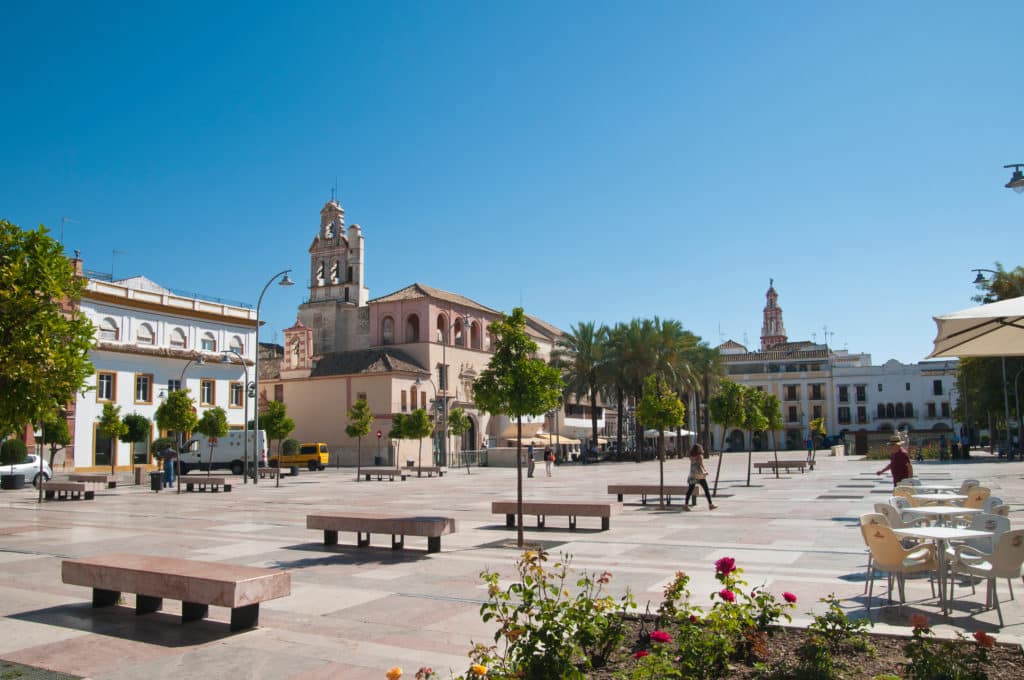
110	481
430	471
399	526
571	509
381	473
196	584
271	472
782	464
67	490
645	490
202	483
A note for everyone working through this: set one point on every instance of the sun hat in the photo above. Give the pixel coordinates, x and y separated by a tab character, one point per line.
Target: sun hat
895	439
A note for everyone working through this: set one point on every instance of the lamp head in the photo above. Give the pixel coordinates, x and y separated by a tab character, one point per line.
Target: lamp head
980	278
200	361
1017	178
286	281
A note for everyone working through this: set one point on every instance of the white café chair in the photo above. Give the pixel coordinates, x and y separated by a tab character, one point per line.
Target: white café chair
967	484
1001	510
868	520
911	481
889	556
991	502
981	547
1004	562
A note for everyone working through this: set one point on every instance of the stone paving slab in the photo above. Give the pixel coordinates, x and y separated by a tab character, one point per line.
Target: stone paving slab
353	613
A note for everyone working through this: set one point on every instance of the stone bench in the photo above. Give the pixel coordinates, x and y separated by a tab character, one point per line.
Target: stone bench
110	481
196	584
645	490
571	509
67	490
787	464
430	470
199	483
398	526
271	472
380	474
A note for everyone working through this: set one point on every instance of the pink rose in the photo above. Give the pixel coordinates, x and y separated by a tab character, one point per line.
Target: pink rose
725	566
789	597
727	595
660	636
641	654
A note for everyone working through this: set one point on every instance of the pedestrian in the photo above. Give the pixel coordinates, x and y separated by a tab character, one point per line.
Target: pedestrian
899	461
810	448
549	459
942	447
168	456
698	475
530	462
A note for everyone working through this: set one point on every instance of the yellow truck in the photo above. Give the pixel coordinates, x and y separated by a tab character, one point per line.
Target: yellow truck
313	456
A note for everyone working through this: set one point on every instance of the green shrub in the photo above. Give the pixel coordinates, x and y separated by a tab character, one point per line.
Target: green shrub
947	659
160	444
290	447
12	452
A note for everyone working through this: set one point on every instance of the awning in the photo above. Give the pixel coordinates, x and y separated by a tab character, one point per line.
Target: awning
557	438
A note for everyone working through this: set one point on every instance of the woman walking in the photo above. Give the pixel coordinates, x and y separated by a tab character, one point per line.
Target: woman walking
698	475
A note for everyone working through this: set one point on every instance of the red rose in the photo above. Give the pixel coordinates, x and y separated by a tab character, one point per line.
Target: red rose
641	654
726	565
789	597
984	639
660	636
727	595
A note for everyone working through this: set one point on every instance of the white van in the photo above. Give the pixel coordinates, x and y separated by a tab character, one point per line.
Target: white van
227	453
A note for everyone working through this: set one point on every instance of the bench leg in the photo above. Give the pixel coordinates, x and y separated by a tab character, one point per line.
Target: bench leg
188	486
330	537
245	617
144	604
227	487
620	497
105	598
605	523
397	543
193	611
49	495
363	542
89	495
367	477
643	499
572	522
510	521
540	521
111	485
433	544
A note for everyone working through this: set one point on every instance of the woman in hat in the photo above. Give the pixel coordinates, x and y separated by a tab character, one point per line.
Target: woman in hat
899	461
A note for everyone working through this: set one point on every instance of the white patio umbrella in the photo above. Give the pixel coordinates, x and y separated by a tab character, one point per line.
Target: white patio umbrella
649	434
992	330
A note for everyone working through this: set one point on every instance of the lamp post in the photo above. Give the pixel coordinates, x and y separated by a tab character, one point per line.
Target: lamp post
1016	406
256	353
199	361
466	320
1017	178
981	280
418	383
228	353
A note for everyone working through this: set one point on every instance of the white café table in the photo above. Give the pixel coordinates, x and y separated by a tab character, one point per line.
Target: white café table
939	497
936	488
941	536
942	513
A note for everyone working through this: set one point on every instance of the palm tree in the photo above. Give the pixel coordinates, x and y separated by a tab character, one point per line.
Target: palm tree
578	355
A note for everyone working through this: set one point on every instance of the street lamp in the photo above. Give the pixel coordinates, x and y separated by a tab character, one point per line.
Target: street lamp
1017	178
419	382
256	365
466	321
980	279
227	359
199	361
1016	406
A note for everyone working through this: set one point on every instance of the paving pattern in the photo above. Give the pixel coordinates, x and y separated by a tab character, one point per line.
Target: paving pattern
354	612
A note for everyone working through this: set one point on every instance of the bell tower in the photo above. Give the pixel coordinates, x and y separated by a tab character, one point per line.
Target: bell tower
772	331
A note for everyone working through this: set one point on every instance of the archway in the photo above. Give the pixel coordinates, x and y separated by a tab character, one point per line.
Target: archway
759	441
736	441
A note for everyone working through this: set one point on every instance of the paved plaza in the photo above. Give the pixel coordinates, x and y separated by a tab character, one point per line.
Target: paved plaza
355	612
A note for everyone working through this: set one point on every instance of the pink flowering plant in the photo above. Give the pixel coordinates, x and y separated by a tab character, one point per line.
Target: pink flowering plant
952	659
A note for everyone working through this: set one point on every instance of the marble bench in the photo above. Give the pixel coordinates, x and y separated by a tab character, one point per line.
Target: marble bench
110	481
67	490
380	474
271	472
399	526
571	509
430	471
196	584
787	464
645	490
199	483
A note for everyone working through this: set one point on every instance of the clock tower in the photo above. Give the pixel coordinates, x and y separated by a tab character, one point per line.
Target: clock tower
772	331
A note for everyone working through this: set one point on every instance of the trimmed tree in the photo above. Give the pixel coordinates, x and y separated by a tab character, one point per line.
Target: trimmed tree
44	337
726	409
417	426
661	409
754	420
817	427
177	414
459	424
360	417
56	433
112	428
275	422
397	434
772	410
137	429
214	423
516	384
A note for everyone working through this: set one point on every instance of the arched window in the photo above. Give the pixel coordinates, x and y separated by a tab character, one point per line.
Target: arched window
460	336
908	410
899	410
442	329
145	335
334	272
208	343
349	279
236	345
177	338
890	411
108	329
881	410
474	335
387	330
320	274
412	328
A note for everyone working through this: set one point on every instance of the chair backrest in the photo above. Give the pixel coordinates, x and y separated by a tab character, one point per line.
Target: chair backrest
986	522
911	481
875	518
905	491
967	484
976	496
900	502
885	547
1001	510
893	517
1008	556
991	502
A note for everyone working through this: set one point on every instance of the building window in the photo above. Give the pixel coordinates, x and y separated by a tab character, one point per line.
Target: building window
862	415
208	343
145	336
881	410
178	338
423	400
844	393
908	387
360	395
844	415
442	378
279	393
106	384
937	387
412	328
387	331
143	388
108	329
791	415
945	409
173	385
237	345
879	387
816	392
405	405
236	394
862	392
206	392
890	411
908	410
442	329
816	411
460	335
930	409
899	410
792	392
475	335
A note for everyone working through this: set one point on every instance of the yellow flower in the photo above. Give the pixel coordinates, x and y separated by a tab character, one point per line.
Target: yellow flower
478	669
394	673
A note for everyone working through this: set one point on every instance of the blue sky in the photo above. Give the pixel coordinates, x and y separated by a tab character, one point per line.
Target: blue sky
590	161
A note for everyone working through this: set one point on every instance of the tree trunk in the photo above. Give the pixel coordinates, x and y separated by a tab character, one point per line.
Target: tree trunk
359	458
619	404
775	447
750	453
519	481
593	415
661	469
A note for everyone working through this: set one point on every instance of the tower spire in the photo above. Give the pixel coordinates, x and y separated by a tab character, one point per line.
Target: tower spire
773	332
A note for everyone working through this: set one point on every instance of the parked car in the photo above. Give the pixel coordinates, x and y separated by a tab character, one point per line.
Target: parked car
28	467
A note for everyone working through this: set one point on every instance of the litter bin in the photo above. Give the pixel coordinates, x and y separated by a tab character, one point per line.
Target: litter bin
156	481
